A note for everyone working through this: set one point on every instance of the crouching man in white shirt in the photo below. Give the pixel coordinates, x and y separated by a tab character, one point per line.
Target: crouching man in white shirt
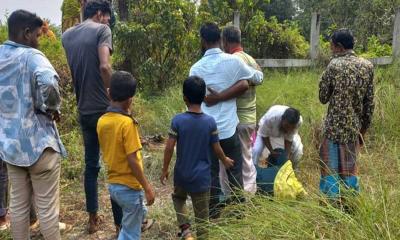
278	128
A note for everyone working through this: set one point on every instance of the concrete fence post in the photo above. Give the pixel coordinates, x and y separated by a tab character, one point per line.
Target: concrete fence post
236	18
396	35
314	38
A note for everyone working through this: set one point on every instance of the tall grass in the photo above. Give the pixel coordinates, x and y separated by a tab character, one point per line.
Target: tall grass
375	214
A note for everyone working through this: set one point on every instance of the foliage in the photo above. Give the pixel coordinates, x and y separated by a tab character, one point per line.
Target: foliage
3	33
376	49
158	43
365	18
70	13
272	39
281	9
262	38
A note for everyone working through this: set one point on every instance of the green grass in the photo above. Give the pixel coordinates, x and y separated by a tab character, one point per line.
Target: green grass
376	212
375	217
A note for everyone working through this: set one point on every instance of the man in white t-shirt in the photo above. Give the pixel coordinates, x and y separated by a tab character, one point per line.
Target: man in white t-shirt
278	128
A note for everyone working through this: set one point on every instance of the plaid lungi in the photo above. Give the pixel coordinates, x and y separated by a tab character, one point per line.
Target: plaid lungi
338	158
338	165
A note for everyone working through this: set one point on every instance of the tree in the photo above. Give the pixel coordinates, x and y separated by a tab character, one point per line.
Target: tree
70	14
262	38
158	42
366	18
281	9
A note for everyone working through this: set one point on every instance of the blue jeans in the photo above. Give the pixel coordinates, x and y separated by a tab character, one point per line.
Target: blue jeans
92	164
133	208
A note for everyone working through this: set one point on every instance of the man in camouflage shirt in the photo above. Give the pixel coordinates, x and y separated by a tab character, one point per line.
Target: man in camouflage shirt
347	85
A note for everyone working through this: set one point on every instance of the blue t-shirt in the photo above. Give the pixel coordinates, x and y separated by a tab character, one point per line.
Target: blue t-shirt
195	133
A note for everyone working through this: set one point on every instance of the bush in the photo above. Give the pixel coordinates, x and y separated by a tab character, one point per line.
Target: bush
262	38
376	49
271	39
158	43
70	13
3	33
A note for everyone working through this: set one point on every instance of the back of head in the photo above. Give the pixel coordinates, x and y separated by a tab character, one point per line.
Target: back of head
21	20
123	86
292	116
210	33
194	89
343	38
93	6
231	34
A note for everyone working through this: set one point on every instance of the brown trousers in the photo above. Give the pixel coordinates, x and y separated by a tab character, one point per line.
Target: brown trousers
200	202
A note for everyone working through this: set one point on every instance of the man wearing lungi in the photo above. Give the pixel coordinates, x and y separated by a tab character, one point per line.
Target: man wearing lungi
347	85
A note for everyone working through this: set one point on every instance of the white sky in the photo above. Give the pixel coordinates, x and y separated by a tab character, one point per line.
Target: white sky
50	9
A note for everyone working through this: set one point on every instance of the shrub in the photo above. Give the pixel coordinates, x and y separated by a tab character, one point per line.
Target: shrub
3	33
158	43
376	49
271	39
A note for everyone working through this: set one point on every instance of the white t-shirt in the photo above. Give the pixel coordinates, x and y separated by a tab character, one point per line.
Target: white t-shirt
270	124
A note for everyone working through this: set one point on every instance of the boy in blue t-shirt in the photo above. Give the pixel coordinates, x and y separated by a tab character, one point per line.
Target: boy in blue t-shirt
196	135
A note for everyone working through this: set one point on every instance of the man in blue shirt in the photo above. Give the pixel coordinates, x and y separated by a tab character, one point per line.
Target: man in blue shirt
29	140
221	71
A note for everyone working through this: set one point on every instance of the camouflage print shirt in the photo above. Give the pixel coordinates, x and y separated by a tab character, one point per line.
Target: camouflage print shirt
347	85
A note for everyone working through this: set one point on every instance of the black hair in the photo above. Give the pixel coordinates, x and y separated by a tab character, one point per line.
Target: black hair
20	20
231	34
194	89
93	6
343	37
291	115
210	32
122	86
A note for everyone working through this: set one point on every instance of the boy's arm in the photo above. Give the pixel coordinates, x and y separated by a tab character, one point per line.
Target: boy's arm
228	163
234	91
139	175
169	151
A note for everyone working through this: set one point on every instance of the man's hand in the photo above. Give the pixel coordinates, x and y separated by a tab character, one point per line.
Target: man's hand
213	98
56	116
164	177
149	194
228	163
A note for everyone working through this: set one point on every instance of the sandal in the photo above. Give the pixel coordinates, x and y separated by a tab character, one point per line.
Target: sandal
147	224
5	226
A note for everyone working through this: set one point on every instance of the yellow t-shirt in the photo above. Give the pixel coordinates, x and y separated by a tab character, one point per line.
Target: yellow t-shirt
118	137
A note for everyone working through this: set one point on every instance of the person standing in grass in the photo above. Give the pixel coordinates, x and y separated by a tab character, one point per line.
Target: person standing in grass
29	141
246	109
88	47
221	71
121	148
347	86
195	134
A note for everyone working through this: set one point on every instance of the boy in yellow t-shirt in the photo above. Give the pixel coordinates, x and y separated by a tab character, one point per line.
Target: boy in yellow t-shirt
121	148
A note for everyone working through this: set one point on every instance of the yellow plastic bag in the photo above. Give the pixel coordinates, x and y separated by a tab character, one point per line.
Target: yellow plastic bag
286	185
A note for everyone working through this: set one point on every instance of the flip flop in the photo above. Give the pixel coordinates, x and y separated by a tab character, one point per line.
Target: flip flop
5	226
147	224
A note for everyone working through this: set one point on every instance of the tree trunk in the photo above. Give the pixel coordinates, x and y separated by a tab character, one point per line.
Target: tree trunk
123	10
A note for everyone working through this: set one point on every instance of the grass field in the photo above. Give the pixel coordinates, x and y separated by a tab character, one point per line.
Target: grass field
376	217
